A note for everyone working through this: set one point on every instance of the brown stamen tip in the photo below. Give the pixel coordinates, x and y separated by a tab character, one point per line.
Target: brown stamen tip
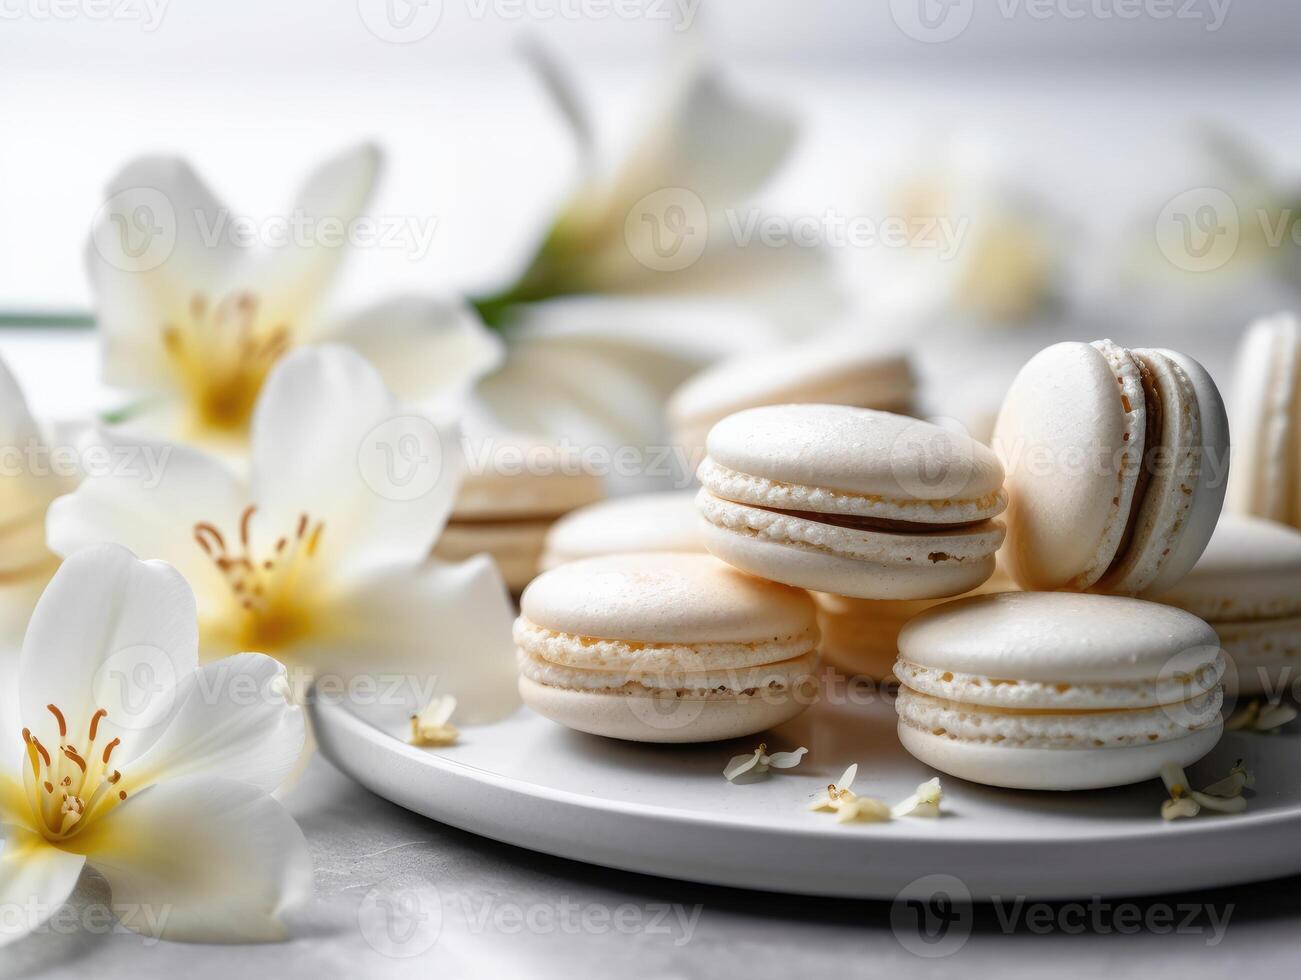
49	786
58	716
108	749
302	525
45	756
94	722
243	524
121	795
115	777
209	538
68	751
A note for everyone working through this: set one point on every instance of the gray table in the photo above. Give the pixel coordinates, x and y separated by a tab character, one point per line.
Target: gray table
399	895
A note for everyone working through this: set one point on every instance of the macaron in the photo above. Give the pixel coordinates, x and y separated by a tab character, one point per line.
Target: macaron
514	489
1248	587
1266	477
1058	690
860	637
641	522
1116	462
664	647
851	501
839	368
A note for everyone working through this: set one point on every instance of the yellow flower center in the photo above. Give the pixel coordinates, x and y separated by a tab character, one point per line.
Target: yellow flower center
72	786
272	591
221	355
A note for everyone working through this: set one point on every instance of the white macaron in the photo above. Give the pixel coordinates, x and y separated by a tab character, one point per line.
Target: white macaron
665	647
851	501
641	522
1116	467
1057	690
1248	587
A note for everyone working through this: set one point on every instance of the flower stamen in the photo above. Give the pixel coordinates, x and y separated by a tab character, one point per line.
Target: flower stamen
66	790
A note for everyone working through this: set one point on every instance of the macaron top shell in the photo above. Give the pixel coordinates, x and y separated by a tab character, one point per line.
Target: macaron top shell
641	522
1250	570
881	457
665	597
514	475
1266	416
1058	637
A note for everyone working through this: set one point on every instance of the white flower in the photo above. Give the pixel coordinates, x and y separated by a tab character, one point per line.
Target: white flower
1255	717
1224	796
321	558
849	806
431	725
124	756
758	762
192	316
925	801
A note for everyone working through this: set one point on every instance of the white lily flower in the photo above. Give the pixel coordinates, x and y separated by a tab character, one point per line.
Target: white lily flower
127	757
847	805
924	802
320	558
193	318
431	725
758	762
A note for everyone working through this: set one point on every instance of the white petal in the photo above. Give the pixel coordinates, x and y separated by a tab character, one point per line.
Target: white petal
35	880
297	273
229	719
740	764
437	712
404	628
564	95
1220	804
149	499
846	779
160	208
110	632
27	484
787	760
214	860
331	441
424	348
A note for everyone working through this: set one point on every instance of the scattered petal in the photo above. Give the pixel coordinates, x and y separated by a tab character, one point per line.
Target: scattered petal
741	764
1185	806
1234	783
759	762
787	760
1221	797
925	801
862	808
1258	717
431	725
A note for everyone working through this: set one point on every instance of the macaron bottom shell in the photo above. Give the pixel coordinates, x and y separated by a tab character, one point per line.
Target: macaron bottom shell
662	716
1028	767
1265	655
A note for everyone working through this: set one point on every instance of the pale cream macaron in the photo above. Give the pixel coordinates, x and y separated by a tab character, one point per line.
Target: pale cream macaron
860	637
1248	587
1058	690
839	368
851	501
1266	477
665	521
1116	467
515	488
665	647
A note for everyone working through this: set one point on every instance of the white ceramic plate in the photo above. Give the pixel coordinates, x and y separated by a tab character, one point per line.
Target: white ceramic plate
666	810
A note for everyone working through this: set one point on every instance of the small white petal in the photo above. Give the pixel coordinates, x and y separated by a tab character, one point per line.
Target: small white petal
1183	807
863	808
1275	716
787	760
846	779
1220	804
35	880
741	764
925	802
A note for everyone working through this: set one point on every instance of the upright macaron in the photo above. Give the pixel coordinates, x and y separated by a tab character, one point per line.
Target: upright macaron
665	521
851	501
1055	690
1247	585
1266	476
664	647
1116	467
840	368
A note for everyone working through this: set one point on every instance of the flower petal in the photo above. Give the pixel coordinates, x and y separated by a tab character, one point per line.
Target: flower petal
846	779
787	760
560	87
424	348
149	500
331	441
231	718
296	275
214	860
157	244
35	880
738	765
110	632
405	627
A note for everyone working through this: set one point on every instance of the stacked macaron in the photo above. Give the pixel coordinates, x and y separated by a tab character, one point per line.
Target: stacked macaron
851	501
639	522
664	647
1058	691
1247	586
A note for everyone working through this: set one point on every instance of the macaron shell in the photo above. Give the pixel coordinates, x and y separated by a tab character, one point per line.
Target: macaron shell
1054	769
515	546
665	597
1267	421
1265	655
641	522
1058	637
859	452
1062	423
659	718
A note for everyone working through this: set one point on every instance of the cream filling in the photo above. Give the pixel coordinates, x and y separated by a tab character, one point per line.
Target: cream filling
771	677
